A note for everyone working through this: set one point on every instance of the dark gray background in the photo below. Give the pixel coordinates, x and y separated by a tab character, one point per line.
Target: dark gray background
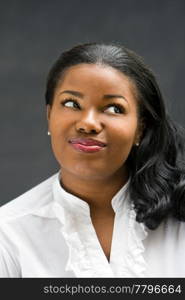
32	35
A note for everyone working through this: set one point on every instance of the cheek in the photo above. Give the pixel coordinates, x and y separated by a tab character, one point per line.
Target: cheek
122	137
123	133
59	124
61	127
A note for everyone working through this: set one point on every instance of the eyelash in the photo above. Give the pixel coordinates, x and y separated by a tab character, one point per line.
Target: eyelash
122	110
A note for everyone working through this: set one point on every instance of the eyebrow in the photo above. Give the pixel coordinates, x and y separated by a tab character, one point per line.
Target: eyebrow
80	95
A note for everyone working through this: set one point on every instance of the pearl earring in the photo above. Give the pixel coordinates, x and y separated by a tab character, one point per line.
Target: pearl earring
137	144
49	133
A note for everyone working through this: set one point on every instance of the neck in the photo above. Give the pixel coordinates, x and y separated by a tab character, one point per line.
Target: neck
98	193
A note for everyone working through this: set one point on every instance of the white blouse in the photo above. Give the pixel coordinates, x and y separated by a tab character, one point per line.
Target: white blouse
47	232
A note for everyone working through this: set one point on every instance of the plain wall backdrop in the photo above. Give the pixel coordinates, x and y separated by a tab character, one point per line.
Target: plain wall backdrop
34	33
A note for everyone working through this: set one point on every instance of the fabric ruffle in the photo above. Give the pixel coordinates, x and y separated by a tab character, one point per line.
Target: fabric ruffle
129	258
137	233
86	257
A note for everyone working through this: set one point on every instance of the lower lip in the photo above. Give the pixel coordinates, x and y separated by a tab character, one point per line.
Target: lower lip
87	149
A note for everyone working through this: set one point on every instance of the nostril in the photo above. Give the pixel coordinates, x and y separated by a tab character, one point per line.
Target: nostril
89	131
93	131
81	129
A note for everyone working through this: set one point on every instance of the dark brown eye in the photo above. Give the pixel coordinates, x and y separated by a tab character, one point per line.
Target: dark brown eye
70	103
115	109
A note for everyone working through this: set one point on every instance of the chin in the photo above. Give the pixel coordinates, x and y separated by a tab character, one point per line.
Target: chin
88	173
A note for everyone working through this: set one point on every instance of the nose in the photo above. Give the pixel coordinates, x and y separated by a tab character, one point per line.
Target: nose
89	123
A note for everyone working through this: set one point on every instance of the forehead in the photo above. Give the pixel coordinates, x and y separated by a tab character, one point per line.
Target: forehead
97	79
104	75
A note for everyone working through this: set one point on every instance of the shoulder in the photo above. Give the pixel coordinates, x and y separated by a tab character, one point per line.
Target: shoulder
171	232
32	200
174	226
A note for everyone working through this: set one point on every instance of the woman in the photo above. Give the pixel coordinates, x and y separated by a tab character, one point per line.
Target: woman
116	207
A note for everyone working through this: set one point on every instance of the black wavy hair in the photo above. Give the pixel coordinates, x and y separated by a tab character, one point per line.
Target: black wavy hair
156	166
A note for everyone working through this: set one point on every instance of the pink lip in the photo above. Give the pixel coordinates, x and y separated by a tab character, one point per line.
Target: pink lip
87	142
87	145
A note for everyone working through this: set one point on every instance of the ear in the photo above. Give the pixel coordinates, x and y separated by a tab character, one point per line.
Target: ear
48	111
140	131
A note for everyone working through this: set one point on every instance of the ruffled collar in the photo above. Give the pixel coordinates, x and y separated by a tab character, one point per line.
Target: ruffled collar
75	204
86	257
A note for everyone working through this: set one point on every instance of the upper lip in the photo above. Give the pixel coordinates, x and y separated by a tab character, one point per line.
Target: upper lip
87	142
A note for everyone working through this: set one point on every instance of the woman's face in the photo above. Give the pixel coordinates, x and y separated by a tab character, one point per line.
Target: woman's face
93	102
